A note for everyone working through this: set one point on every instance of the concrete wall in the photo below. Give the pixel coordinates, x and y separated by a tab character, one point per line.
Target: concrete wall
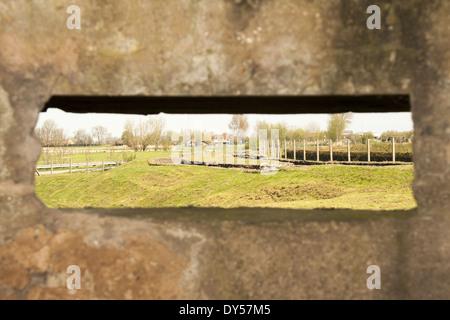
222	48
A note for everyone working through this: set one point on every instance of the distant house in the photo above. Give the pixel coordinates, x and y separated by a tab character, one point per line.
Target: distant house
224	138
69	142
192	143
347	134
189	143
400	139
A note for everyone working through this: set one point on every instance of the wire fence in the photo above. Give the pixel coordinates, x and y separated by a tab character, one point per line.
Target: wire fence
371	151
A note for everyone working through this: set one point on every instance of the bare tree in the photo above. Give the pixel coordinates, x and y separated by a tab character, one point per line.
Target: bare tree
239	124
82	138
130	135
144	134
99	133
52	136
110	140
137	135
44	136
59	138
60	144
47	132
313	130
157	125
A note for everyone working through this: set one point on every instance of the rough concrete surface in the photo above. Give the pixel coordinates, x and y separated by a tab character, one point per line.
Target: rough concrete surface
223	48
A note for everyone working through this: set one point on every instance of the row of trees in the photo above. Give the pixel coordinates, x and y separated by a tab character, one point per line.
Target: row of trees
140	135
239	126
152	132
137	135
51	135
98	136
311	132
397	135
336	126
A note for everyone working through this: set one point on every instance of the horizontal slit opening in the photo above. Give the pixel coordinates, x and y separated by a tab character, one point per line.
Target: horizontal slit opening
226	161
230	104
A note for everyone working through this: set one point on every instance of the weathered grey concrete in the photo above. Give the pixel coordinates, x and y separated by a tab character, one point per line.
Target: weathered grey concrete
221	47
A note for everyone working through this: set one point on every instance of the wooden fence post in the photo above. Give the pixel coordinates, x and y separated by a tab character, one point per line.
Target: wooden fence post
203	151
270	148
87	165
70	166
192	150
368	150
393	150
317	143
235	150
304	150
51	167
295	152
331	150
278	149
274	149
103	165
247	150
224	155
348	151
285	149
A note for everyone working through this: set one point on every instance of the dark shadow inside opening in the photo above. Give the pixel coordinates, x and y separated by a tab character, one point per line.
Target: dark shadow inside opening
231	104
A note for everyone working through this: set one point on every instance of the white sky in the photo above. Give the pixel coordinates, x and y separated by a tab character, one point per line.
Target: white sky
218	123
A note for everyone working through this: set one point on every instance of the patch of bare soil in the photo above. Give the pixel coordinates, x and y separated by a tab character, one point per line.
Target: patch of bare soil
300	192
164	161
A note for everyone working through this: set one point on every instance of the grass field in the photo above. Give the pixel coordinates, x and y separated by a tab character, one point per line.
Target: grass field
136	184
93	157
